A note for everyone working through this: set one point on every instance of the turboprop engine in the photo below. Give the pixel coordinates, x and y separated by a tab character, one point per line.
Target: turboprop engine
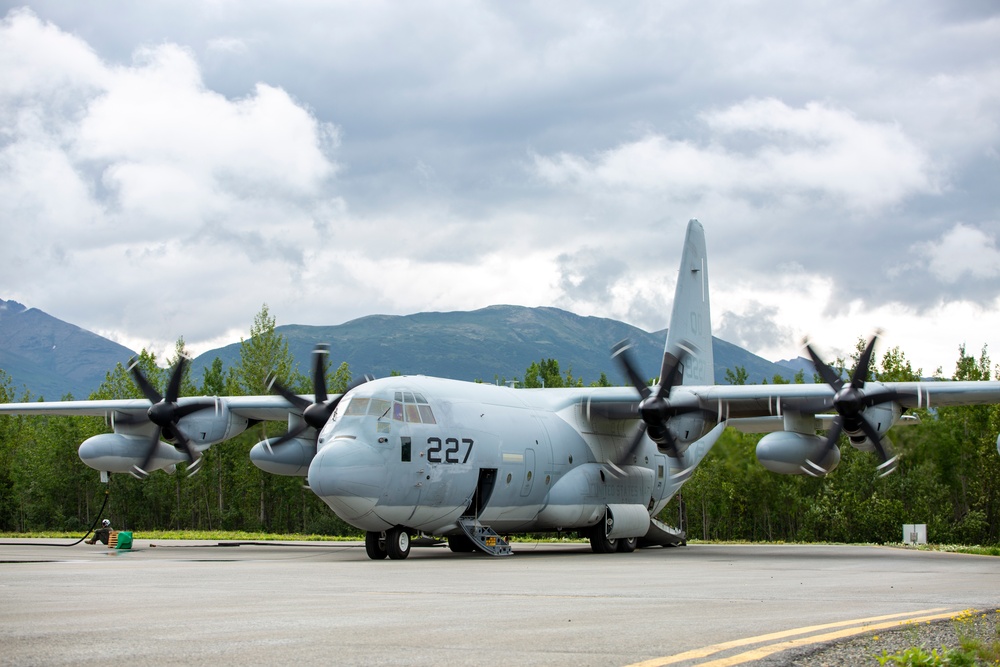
787	453
136	445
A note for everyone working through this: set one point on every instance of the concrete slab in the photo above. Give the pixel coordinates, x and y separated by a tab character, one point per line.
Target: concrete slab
192	603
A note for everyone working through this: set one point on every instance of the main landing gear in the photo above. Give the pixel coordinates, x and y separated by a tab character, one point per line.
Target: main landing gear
394	543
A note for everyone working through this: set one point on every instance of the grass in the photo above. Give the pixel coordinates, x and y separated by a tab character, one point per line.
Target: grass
220	535
567	538
978	644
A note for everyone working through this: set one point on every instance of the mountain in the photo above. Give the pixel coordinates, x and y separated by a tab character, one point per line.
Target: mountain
799	364
53	358
494	343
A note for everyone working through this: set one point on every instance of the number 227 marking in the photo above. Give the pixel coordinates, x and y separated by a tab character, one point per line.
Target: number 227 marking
451	447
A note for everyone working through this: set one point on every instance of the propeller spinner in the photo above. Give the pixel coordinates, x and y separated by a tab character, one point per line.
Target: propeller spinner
655	407
166	414
849	401
315	414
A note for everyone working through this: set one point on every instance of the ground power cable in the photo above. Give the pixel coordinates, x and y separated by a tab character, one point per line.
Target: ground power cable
107	494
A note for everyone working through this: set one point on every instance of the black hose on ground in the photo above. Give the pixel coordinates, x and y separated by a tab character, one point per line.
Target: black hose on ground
107	494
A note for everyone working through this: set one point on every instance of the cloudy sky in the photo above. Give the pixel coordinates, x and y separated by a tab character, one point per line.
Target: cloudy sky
168	167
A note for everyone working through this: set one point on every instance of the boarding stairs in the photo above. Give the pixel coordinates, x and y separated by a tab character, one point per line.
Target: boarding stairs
484	538
660	534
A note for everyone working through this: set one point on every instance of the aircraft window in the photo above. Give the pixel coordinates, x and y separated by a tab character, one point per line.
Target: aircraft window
408	397
412	414
357	406
426	415
379	407
399	397
397	411
419	397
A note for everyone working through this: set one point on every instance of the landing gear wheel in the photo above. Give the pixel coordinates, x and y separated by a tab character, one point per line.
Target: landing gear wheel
461	544
627	545
599	541
397	543
375	545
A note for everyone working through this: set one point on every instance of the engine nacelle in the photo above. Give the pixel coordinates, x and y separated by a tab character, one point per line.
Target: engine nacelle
116	452
687	428
207	427
786	452
290	458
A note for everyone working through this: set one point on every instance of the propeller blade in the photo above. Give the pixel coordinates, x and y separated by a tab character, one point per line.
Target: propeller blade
293	398
315	415
193	468
825	372
320	353
634	444
166	413
142	383
670	368
655	408
150	453
621	353
831	441
174	387
874	437
850	402
188	446
860	375
290	435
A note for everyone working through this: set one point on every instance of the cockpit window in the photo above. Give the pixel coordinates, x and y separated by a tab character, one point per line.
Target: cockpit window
357	406
379	407
413	408
426	415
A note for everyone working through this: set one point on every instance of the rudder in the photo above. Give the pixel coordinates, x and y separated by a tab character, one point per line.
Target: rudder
691	319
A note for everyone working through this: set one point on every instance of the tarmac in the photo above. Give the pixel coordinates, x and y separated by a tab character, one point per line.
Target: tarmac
199	603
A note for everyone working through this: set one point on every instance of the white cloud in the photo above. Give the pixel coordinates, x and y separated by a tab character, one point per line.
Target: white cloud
963	252
166	168
128	172
763	148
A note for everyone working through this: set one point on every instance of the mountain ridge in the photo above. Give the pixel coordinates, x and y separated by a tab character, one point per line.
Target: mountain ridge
52	358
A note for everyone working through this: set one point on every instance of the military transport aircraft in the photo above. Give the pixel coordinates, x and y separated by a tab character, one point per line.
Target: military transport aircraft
404	456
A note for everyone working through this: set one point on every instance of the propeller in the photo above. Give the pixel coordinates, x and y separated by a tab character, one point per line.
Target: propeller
166	414
316	414
654	408
849	401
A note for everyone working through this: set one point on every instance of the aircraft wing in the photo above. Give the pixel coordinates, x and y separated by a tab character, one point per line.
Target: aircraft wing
258	408
742	401
759	408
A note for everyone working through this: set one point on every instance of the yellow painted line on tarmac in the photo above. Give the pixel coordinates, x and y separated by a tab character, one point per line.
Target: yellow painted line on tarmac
861	625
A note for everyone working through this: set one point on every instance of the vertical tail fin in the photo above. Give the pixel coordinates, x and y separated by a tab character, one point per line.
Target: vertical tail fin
691	318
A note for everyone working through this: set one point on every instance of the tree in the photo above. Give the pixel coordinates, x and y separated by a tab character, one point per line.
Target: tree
738	377
544	373
263	354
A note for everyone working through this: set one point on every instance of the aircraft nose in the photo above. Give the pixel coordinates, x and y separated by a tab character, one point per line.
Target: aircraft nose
349	476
